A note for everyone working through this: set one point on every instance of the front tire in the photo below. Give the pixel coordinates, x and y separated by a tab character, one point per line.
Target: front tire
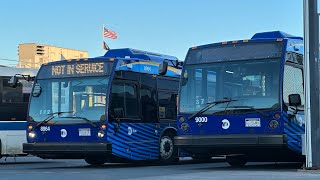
168	153
95	161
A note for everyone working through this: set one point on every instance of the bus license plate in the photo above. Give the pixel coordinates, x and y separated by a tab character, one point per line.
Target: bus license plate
253	122
84	132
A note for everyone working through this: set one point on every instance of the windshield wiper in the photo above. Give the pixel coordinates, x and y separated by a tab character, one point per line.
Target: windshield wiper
210	105
250	107
51	116
83	118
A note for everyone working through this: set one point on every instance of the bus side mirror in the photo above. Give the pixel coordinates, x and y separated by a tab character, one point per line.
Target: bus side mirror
13	81
294	100
163	68
178	63
36	90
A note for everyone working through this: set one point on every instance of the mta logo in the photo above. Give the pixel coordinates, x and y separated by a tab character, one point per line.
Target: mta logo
225	124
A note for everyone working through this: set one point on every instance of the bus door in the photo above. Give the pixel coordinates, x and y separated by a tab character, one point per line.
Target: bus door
167	88
132	113
294	118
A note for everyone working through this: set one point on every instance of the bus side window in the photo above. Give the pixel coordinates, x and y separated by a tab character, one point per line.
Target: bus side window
13	106
292	83
124	96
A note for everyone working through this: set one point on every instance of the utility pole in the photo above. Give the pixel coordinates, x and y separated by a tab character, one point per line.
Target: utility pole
311	85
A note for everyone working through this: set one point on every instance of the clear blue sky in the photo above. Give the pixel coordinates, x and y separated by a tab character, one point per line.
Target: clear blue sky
166	26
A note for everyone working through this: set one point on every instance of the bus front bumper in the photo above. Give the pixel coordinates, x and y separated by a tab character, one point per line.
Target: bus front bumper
237	143
67	150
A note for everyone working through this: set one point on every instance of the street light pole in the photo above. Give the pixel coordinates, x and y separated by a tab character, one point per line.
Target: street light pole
311	85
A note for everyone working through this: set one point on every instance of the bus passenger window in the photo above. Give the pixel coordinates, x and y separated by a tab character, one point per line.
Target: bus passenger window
13	101
124	96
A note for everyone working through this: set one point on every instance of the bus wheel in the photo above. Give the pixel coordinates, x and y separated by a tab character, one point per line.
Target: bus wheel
236	161
95	161
168	152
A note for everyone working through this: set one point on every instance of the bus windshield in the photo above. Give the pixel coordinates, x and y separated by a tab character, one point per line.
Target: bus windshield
82	97
251	83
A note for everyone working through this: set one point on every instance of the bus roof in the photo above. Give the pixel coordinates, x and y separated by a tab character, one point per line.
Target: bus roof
258	37
132	60
274	35
138	54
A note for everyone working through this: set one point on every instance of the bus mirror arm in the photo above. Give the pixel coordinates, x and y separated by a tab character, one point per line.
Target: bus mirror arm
295	111
117	127
291	117
15	79
294	102
178	64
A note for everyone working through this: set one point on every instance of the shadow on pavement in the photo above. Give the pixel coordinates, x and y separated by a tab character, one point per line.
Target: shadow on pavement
26	162
266	166
132	164
23	160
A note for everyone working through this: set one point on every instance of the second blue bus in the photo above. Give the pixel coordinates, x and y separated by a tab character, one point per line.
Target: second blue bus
244	99
121	106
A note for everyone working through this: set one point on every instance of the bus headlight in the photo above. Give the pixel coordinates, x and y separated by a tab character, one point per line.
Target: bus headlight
32	134
273	124
101	134
184	126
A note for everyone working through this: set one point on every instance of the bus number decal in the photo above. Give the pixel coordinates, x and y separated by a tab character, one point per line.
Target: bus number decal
201	119
147	68
45	111
44	128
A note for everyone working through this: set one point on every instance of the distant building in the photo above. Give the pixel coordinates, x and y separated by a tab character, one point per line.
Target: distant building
32	55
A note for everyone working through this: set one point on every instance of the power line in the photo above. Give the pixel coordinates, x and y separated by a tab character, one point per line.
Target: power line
5	59
12	60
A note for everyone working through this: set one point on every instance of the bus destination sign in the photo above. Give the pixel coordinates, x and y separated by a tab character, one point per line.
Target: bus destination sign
75	69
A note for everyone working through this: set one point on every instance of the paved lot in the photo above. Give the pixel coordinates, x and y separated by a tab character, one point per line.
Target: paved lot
35	168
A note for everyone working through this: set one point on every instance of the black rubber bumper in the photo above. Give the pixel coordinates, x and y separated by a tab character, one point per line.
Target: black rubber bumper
67	150
230	140
255	147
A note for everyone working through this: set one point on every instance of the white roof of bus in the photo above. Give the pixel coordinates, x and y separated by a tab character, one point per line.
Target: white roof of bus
11	71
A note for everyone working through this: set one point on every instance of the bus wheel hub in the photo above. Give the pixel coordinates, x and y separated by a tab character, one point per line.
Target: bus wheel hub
166	147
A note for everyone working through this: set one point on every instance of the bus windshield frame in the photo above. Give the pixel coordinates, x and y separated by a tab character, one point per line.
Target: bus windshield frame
253	83
80	96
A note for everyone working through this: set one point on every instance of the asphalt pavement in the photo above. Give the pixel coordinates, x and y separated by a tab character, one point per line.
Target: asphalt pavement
24	168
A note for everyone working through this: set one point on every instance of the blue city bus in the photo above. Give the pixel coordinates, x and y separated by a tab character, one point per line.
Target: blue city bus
244	100
118	107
